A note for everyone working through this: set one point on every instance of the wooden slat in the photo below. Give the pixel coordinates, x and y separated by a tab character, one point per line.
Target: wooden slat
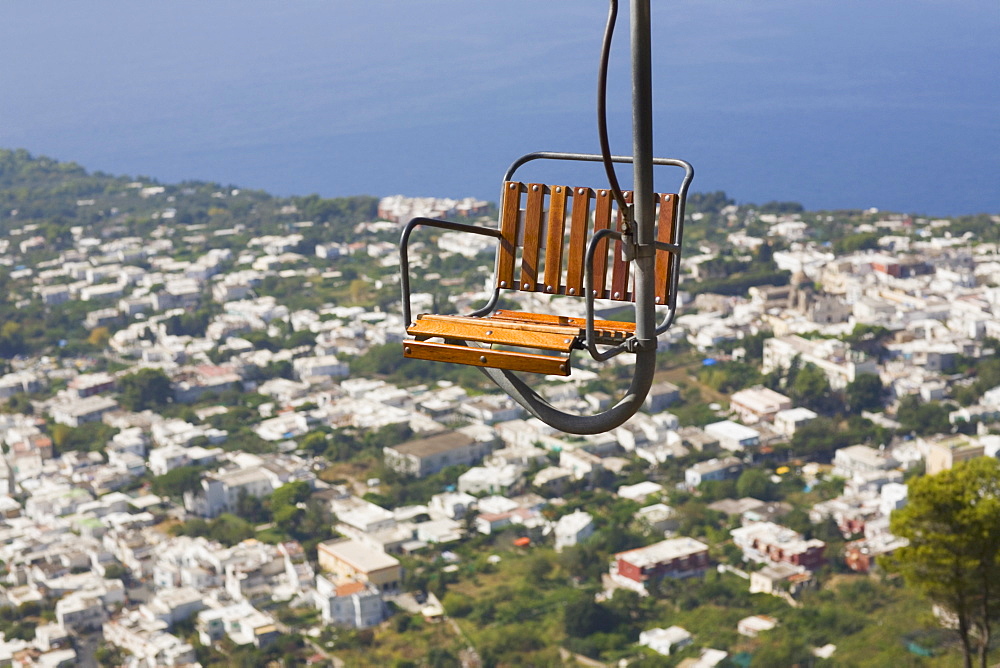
606	332
619	271
497	359
486	330
507	248
665	229
563	320
602	221
505	322
554	240
578	241
533	215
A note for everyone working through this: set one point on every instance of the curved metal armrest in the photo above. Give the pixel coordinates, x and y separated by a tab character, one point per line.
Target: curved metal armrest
404	255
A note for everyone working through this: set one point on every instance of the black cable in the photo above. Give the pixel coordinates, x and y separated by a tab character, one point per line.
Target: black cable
602	109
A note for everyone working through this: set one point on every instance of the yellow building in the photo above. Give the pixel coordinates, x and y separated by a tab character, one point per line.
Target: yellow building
349	559
945	453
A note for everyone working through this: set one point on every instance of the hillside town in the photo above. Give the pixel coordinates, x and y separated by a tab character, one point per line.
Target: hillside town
236	462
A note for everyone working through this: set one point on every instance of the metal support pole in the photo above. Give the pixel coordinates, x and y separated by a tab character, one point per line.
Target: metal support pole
642	170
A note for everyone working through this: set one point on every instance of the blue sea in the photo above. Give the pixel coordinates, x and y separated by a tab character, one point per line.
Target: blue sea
832	104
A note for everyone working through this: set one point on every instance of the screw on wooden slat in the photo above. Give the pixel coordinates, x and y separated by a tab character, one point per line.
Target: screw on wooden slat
618	295
524	286
658	300
548	288
406	350
558	189
572	291
488	332
503	284
512	186
535	188
482	358
562	367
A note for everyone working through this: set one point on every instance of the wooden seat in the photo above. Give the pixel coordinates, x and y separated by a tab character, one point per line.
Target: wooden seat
544	233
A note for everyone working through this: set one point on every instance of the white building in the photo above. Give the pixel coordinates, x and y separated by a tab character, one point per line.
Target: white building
221	492
733	436
789	421
757	404
243	623
665	641
326	366
80	613
147	642
861	460
641	491
80	411
351	604
756	624
453	505
491	479
171	606
713	469
840	364
573	528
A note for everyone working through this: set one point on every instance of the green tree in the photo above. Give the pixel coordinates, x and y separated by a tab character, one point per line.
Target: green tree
108	655
922	418
730	376
583	616
439	657
819	438
757	484
856	242
869	339
11	340
864	393
90	436
811	389
314	442
252	509
146	388
290	494
716	490
952	520
174	483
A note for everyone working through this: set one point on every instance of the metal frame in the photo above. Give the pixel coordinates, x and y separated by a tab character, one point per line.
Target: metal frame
640	246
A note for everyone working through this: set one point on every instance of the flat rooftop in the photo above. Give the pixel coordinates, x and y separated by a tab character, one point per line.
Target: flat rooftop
359	556
434	445
662	552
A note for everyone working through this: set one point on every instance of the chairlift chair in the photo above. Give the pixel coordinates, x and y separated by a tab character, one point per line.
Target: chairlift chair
576	242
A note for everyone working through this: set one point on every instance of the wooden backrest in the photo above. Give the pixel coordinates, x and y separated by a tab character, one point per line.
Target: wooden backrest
545	232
